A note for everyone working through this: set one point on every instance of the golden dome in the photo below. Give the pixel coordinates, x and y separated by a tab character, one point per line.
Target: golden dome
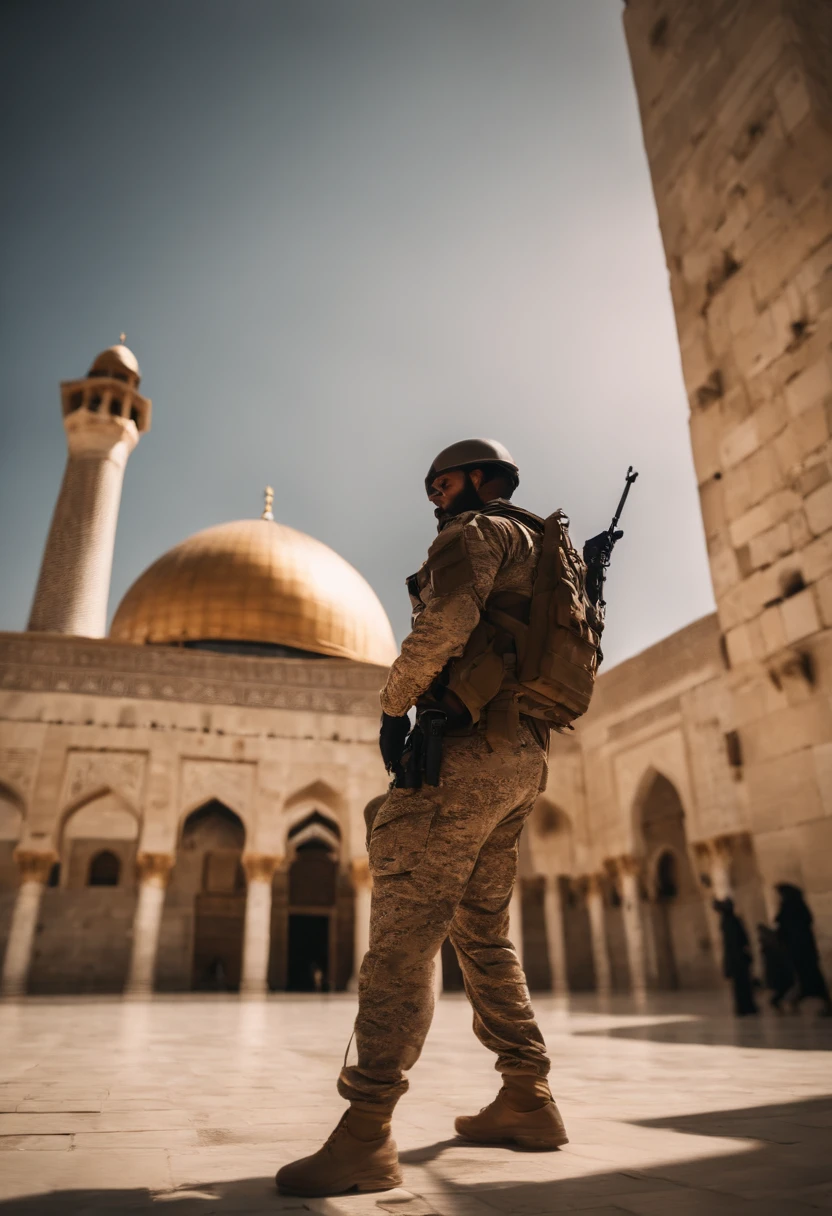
257	581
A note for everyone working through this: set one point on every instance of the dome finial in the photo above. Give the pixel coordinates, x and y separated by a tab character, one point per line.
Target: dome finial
122	339
268	499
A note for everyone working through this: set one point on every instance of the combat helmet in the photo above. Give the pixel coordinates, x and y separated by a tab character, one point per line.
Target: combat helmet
473	454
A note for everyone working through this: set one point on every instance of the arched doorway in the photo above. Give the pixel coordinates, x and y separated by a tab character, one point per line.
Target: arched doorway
87	910
209	867
665	891
312	910
682	954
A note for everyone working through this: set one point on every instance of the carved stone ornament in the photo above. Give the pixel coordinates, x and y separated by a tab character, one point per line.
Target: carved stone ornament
35	866
229	781
154	869
628	866
90	772
260	867
18	767
99	667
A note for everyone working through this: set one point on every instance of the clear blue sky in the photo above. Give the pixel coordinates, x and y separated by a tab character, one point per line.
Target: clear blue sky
341	234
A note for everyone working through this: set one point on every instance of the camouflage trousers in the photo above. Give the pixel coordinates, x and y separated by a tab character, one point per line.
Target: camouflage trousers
444	861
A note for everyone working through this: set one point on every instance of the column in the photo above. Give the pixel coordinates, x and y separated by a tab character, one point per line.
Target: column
153	871
555	937
515	919
34	874
714	859
597	927
363	886
628	870
257	935
722	850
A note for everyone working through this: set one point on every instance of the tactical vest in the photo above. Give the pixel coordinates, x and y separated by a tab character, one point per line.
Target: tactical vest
536	656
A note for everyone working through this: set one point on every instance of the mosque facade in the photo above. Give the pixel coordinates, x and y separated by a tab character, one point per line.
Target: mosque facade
181	802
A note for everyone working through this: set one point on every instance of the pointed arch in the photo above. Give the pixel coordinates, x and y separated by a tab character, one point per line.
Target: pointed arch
315	826
101	812
552	838
12	812
215	824
319	792
317	798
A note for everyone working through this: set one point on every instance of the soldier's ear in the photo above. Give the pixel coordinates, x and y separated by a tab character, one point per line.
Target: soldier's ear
477	477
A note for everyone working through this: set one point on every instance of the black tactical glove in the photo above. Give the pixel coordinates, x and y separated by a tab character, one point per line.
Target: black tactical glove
391	739
599	545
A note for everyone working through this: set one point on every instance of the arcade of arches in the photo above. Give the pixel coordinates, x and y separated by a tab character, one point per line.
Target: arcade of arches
143	867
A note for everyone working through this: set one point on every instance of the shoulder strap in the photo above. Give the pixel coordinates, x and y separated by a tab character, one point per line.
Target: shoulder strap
506	509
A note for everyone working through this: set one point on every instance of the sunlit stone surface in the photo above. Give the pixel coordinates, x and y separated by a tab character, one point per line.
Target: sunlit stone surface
188	1105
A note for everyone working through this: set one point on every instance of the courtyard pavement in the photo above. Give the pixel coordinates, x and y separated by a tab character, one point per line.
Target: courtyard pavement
186	1106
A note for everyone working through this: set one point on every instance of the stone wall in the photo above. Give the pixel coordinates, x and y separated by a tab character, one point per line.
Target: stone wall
83	940
736	108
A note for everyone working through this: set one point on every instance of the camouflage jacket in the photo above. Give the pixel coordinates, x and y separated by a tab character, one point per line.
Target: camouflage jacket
474	556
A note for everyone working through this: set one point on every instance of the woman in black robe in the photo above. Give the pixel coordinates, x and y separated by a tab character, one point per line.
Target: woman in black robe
736	958
778	973
794	928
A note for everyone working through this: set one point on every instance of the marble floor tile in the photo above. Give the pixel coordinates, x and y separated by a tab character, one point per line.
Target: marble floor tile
187	1106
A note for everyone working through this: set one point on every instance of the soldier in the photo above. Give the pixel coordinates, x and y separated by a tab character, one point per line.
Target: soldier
444	857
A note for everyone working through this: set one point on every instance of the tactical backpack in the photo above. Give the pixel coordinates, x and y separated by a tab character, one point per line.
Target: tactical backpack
537	657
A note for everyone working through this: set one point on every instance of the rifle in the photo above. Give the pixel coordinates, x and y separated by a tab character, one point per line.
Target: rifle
598	550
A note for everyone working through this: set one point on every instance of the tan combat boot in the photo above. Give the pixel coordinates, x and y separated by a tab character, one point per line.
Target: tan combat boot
360	1155
523	1113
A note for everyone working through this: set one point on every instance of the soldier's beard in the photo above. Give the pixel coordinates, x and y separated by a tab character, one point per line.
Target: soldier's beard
467	499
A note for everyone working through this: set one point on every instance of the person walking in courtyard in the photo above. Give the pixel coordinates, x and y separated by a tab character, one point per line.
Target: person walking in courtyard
736	961
778	973
443	850
795	929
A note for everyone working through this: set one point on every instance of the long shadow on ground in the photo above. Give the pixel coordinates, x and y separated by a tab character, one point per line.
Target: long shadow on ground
787	1033
788	1171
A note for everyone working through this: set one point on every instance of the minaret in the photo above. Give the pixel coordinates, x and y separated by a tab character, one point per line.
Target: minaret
104	414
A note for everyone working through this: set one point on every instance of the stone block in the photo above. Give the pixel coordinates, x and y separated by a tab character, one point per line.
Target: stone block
739	443
812	429
822	756
712	505
772	630
754	695
810	388
823	590
745	643
771	415
725	569
786	451
816	558
705	433
741	305
758	347
765	515
735	406
783	790
779	258
818	509
800	616
793	729
768	546
815	845
697	357
815	476
793	101
814	279
799	530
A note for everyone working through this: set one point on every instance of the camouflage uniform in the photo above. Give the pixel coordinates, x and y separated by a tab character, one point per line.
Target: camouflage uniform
444	859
